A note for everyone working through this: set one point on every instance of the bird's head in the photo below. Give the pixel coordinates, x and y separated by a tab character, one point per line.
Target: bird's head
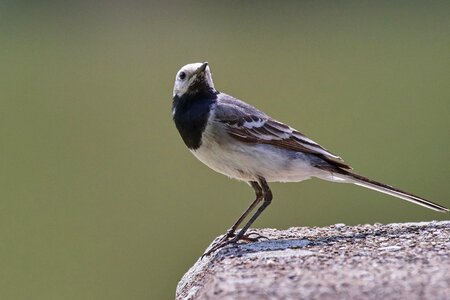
192	79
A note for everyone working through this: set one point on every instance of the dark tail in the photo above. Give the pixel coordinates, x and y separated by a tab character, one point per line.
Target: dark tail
384	188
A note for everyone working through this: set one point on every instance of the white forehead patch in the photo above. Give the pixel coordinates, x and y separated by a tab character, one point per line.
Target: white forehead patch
190	68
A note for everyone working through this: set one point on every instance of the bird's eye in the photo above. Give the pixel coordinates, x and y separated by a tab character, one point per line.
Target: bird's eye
182	75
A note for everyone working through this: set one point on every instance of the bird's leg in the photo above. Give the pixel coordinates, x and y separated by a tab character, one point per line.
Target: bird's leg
231	232
259	196
267	197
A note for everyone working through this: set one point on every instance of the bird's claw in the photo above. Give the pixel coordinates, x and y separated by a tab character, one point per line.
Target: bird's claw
254	237
217	246
222	242
232	238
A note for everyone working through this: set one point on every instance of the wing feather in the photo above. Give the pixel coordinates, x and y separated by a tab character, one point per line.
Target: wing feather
249	125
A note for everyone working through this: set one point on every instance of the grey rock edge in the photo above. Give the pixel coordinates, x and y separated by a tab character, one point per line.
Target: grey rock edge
394	261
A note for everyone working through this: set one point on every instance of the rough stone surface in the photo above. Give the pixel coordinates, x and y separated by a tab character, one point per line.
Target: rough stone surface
395	261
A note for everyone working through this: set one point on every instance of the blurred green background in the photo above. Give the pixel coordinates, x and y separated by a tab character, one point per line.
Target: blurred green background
100	199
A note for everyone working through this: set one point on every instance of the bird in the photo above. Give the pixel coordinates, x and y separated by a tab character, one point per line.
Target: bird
244	143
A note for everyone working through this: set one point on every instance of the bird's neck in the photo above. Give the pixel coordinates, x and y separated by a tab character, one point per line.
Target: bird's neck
194	93
191	113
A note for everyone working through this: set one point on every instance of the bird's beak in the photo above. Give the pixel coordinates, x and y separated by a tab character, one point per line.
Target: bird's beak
202	68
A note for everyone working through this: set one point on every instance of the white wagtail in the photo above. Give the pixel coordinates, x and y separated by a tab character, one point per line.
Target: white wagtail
242	142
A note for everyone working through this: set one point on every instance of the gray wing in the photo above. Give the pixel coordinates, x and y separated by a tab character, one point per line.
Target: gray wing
250	125
233	111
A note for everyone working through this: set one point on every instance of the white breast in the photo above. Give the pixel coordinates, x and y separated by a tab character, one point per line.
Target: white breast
247	162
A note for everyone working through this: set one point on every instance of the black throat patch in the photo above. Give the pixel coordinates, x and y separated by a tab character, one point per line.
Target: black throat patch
191	116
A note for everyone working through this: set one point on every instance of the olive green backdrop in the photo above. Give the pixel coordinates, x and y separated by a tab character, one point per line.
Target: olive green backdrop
100	199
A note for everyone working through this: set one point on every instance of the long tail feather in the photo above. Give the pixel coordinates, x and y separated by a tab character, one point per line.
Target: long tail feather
384	188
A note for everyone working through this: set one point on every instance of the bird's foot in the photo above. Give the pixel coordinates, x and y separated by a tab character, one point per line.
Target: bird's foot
254	237
223	241
232	238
